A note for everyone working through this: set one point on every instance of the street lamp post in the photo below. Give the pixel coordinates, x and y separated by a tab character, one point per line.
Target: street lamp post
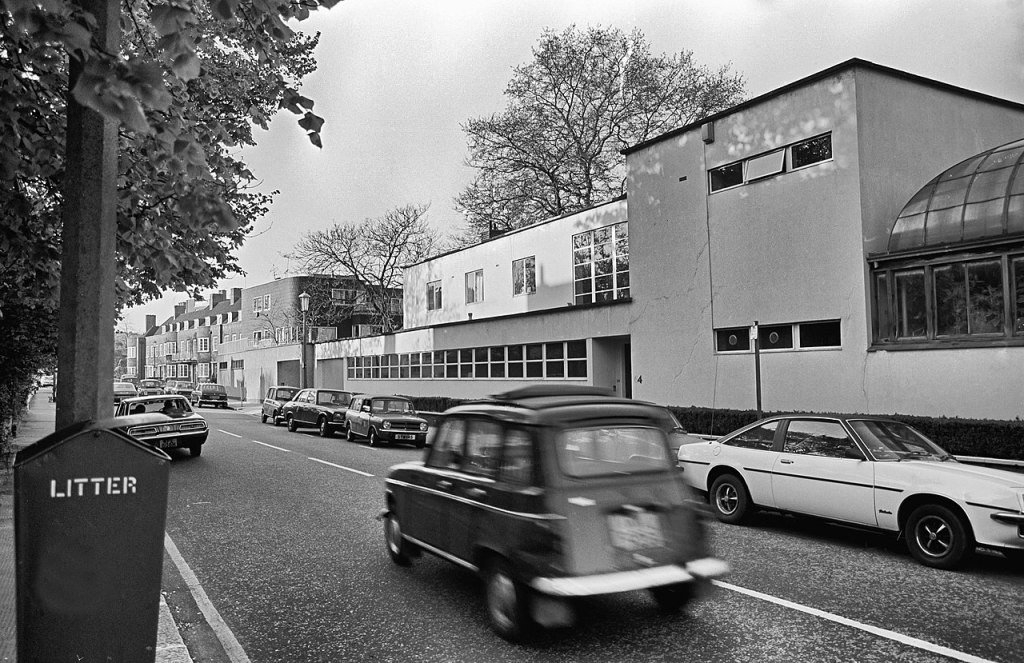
304	305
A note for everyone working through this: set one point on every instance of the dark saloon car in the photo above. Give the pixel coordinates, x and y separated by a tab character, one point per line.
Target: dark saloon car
277	396
385	419
123	390
171	422
179	387
552	494
150	387
323	408
209	394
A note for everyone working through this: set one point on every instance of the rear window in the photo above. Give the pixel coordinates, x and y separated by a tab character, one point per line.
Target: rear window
386	405
589	452
285	394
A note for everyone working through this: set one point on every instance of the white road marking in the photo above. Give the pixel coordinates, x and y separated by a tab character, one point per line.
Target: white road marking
272	446
881	632
340	467
227	639
227	433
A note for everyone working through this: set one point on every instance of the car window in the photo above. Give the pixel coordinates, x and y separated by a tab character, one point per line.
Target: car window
760	437
483	444
517	457
891	440
333	398
585	452
390	405
285	394
447	449
818	438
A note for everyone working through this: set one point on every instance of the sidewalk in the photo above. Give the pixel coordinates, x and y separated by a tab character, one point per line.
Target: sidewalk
38	422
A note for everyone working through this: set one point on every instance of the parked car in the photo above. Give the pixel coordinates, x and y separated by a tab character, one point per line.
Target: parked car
867	471
552	494
151	387
123	390
179	387
277	396
323	408
164	421
385	419
209	394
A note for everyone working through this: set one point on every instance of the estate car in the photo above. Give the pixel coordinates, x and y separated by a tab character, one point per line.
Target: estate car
323	408
385	419
276	397
552	494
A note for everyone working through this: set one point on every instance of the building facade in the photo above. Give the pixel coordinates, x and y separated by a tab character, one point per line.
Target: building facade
868	221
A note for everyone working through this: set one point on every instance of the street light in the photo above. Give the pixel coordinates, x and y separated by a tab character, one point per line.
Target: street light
304	305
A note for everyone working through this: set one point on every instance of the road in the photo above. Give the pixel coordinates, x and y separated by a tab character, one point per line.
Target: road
280	533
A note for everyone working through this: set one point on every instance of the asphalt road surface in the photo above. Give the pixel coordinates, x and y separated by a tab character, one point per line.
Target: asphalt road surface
276	555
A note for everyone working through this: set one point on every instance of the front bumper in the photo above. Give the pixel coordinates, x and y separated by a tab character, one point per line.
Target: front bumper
624	581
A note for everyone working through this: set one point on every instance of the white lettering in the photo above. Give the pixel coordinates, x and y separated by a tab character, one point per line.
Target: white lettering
96	484
100	486
81	486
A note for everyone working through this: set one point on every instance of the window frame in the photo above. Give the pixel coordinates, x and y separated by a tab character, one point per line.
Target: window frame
529	285
434	299
475	292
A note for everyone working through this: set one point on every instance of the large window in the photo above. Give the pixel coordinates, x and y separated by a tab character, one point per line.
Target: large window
601	264
970	299
812	335
433	295
524	276
475	286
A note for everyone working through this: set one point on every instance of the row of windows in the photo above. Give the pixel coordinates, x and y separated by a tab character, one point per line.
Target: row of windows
219	319
559	360
798	155
980	298
600	262
793	336
261	303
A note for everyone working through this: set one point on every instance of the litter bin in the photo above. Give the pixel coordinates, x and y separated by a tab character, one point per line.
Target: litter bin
90	506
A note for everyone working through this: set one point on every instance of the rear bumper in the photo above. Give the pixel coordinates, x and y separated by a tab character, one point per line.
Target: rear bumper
624	581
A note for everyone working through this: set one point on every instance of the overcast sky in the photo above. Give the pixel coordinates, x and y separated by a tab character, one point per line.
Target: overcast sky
396	78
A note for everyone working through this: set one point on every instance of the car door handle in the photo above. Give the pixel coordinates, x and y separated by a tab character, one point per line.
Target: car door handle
444	485
476	493
786	461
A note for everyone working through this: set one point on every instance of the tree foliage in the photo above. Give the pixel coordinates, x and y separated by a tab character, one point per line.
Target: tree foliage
587	94
191	79
373	252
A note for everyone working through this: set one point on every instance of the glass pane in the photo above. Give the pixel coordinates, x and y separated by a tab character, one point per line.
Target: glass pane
602	283
911	315
985	286
965	167
776	337
480	354
515	370
583	287
919	203
1002	159
908	233
554	350
534	369
726	176
950	300
812	151
603	235
515	353
1018	296
820	334
736	339
949	194
581	272
943	226
1015	212
497	370
582	240
984	219
577	349
584	299
534	352
577	368
497	353
992	184
555	369
603	267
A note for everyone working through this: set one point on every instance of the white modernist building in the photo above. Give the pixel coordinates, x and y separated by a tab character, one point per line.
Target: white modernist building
871	223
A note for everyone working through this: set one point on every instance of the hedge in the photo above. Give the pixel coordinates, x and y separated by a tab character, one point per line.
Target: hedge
961	437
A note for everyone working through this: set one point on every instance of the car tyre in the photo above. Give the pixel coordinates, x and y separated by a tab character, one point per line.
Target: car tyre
292	427
673	598
372	438
730	500
349	435
400	550
196	451
325	428
938	537
507	602
263	418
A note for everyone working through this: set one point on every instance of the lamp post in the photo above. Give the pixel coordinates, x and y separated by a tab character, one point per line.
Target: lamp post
304	305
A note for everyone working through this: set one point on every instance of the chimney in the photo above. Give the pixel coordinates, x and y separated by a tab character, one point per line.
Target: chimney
150	323
217	298
179	309
190	305
236	295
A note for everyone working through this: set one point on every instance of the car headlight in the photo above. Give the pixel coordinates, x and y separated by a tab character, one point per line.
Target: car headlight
423	426
386	425
339	416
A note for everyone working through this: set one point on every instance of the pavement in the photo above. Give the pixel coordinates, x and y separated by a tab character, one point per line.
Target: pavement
38	422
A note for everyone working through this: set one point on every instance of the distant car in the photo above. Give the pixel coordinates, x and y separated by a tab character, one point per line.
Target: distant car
179	387
865	471
276	397
123	390
46	380
550	495
209	394
385	419
323	408
177	426
150	387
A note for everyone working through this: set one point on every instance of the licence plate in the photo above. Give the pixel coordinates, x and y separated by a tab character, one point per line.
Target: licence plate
641	531
169	443
403	436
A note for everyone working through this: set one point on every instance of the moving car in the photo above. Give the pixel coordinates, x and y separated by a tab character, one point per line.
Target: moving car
124	390
209	394
867	471
179	387
552	494
277	396
150	387
385	419
165	421
323	408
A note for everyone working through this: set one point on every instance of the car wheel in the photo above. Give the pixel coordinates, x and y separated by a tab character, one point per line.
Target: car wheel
263	418
349	435
507	602
729	499
373	439
196	450
292	427
672	598
399	549
325	428
938	537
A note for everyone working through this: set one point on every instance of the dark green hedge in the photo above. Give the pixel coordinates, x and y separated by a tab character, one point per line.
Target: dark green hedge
961	437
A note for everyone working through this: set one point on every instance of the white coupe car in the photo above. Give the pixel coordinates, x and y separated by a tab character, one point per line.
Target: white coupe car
866	471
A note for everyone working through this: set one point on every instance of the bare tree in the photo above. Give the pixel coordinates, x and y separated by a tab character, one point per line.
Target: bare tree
556	148
374	252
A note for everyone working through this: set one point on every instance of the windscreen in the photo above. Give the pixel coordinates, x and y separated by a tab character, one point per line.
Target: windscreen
891	440
588	452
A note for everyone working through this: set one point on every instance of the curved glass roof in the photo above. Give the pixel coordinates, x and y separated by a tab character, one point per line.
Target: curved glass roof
980	198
